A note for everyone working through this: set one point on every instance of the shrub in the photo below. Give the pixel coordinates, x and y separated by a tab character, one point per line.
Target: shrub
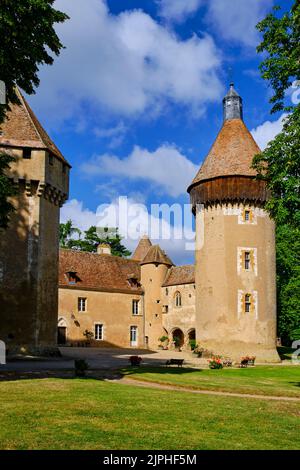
215	363
81	366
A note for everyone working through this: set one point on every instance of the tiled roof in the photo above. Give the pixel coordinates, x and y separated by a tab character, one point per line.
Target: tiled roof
178	275
142	249
156	255
21	128
103	272
231	154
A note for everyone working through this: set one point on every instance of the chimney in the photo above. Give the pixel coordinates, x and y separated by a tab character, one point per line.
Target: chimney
104	249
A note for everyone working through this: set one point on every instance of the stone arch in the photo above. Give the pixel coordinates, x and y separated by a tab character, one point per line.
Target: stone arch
2	353
191	334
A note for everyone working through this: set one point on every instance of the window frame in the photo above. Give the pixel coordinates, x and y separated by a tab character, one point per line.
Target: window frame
247	303
178	299
135	307
96	331
82	302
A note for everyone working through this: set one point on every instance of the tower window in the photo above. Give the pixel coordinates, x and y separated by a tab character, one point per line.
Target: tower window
27	154
178	300
247	215
248	303
135	307
81	304
247	260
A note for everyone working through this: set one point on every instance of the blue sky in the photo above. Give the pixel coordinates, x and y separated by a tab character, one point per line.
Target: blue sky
134	102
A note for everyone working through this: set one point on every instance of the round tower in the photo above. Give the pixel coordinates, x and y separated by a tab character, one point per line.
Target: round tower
235	246
154	268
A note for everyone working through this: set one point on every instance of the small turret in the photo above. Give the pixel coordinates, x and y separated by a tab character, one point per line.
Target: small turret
232	105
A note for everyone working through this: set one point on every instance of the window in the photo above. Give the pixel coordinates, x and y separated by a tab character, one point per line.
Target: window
27	154
135	307
51	159
98	332
247	260
247	215
72	277
178	302
81	304
133	335
64	168
247	303
167	291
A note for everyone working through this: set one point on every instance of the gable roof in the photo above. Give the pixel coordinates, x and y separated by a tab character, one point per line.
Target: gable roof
21	128
178	275
142	248
231	154
156	255
99	272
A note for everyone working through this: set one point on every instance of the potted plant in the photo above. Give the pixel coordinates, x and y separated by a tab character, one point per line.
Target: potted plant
88	337
163	342
215	363
193	344
135	360
176	342
81	366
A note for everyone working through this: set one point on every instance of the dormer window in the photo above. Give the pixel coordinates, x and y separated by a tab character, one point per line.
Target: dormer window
133	280
72	277
27	154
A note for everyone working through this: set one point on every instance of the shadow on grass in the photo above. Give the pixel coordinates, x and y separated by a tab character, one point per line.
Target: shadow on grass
163	370
10	376
285	352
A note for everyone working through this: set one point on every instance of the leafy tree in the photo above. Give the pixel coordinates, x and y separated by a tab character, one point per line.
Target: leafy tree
279	164
281	44
28	40
91	239
66	232
6	190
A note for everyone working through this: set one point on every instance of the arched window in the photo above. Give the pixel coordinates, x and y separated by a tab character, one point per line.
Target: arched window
178	301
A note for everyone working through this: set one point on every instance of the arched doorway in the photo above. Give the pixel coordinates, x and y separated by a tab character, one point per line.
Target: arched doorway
61	332
178	337
192	339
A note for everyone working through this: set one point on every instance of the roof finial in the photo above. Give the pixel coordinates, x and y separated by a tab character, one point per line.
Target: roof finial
232	105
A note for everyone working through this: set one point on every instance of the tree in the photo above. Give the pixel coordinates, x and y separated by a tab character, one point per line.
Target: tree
91	239
66	232
28	40
279	164
6	190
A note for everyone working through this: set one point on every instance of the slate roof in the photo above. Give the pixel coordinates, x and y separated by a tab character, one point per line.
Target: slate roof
21	128
178	275
98	271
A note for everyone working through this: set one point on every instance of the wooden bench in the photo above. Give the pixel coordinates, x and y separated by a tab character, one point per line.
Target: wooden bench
175	362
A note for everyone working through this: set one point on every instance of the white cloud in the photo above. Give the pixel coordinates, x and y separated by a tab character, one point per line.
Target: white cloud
125	64
166	167
81	217
267	131
115	134
236	20
178	10
134	220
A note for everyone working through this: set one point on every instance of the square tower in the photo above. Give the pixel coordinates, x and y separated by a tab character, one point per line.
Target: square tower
29	246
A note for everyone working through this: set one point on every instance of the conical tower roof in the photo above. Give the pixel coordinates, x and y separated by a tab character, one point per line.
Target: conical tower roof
142	248
226	173
21	128
231	154
156	255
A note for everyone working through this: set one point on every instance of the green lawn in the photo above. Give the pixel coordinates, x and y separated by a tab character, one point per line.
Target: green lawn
92	414
261	380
